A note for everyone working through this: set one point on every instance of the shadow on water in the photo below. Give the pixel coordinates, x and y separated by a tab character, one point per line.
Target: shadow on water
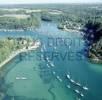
50	91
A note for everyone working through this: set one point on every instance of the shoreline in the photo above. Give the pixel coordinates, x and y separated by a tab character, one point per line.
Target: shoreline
15	53
95	60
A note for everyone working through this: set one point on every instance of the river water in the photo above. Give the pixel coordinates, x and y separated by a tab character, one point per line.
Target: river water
41	81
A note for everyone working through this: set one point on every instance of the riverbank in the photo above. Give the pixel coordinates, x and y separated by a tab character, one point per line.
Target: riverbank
95	59
95	52
15	53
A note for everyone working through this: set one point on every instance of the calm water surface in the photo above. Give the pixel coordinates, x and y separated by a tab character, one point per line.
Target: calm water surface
41	82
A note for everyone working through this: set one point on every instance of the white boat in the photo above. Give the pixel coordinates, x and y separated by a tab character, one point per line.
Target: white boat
47	59
42	55
44	47
51	64
21	78
42	58
48	66
78	84
59	78
72	81
51	44
85	88
82	95
69	47
54	47
68	86
54	72
77	91
17	78
68	76
41	50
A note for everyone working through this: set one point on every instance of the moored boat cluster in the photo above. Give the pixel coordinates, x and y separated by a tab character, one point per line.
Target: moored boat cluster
50	64
76	84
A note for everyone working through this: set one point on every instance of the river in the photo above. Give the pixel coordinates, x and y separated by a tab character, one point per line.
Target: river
41	81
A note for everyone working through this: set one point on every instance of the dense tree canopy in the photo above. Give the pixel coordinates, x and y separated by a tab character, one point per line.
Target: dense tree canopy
93	30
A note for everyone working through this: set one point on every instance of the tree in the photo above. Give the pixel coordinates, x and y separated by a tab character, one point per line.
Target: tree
93	30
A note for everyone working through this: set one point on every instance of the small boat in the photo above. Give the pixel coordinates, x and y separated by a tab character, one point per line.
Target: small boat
51	64
68	86
51	44
48	66
47	58
77	91
59	78
17	78
42	56
72	81
21	78
69	47
54	72
54	47
41	50
82	95
85	88
78	84
68	76
44	47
